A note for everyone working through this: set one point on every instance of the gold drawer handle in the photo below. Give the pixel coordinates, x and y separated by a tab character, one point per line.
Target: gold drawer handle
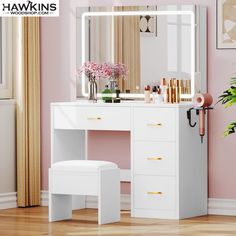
94	118
154	124
154	158
154	193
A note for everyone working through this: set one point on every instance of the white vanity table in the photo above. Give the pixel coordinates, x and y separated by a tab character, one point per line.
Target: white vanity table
168	160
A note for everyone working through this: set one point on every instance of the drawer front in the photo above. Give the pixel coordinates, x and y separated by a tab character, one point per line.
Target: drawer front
154	192
154	158
91	118
155	124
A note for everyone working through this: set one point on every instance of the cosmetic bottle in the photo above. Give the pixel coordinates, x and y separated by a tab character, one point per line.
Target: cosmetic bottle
107	95
159	96
117	98
147	94
164	90
177	91
188	89
170	91
174	88
154	94
182	85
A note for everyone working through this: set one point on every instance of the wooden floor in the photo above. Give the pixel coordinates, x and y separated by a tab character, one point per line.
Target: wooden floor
34	221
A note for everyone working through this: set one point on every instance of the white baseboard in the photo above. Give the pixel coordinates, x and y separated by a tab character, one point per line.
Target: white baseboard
44	198
8	200
215	206
218	206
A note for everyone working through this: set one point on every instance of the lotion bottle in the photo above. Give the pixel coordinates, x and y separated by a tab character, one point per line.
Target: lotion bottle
147	94
154	94
164	91
159	97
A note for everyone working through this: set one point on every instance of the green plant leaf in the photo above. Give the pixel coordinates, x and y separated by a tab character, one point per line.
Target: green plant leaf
230	129
228	98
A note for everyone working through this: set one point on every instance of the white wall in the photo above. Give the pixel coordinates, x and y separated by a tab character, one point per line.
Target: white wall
7	147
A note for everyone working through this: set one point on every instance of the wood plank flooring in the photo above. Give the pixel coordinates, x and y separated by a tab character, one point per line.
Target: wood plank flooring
34	221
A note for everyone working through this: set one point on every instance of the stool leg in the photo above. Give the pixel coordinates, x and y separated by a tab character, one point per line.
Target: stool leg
60	207
109	196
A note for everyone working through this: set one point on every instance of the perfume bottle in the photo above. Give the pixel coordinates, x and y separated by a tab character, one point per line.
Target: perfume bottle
117	98
107	95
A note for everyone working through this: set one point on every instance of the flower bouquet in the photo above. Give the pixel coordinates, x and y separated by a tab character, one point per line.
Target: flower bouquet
112	71
92	70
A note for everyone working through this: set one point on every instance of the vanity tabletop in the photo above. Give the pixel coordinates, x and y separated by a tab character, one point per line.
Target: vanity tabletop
123	103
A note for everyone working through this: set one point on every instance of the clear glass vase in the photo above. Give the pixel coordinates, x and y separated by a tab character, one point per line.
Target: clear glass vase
92	89
112	84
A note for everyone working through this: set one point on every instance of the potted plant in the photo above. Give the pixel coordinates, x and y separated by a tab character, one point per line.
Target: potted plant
228	98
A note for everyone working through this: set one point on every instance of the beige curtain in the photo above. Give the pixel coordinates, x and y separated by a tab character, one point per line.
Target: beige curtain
27	92
127	47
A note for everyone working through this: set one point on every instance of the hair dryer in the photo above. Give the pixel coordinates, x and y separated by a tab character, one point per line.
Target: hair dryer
202	102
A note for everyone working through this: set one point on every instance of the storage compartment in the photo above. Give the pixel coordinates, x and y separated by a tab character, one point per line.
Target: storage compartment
155	124
154	158
154	192
91	118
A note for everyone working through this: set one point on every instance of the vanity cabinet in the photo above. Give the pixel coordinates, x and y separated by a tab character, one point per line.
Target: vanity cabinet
169	164
168	161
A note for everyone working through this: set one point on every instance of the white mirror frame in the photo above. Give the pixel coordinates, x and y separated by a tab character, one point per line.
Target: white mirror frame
137	13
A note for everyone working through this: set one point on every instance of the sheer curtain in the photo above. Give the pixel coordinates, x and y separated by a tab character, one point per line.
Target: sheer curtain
127	47
27	93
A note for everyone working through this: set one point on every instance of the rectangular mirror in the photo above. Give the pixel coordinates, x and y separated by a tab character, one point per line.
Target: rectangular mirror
153	42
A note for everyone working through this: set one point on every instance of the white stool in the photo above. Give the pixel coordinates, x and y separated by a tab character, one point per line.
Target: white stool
84	177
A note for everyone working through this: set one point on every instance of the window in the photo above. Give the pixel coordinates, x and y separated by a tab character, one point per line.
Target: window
5	57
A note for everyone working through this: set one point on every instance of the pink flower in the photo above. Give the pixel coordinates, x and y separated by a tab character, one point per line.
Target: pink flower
91	70
114	70
105	70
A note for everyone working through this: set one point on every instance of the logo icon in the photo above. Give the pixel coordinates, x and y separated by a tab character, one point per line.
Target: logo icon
48	8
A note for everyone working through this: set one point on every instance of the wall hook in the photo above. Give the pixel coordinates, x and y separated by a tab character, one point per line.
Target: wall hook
190	119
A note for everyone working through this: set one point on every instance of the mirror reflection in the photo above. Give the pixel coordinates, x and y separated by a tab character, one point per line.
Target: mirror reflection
151	47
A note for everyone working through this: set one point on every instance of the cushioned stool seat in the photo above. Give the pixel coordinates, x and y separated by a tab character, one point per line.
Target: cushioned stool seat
84	177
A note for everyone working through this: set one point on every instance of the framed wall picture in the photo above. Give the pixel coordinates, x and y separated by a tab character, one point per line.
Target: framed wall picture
226	24
148	24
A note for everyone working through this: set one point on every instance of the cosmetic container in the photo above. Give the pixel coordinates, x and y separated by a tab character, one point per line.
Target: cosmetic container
154	94
159	97
147	94
174	88
107	95
170	91
177	91
164	90
117	98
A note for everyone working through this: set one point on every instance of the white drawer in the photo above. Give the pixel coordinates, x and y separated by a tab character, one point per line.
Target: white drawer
91	118
156	193
154	158
155	124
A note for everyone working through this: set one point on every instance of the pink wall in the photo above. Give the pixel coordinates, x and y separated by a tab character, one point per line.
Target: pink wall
56	86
